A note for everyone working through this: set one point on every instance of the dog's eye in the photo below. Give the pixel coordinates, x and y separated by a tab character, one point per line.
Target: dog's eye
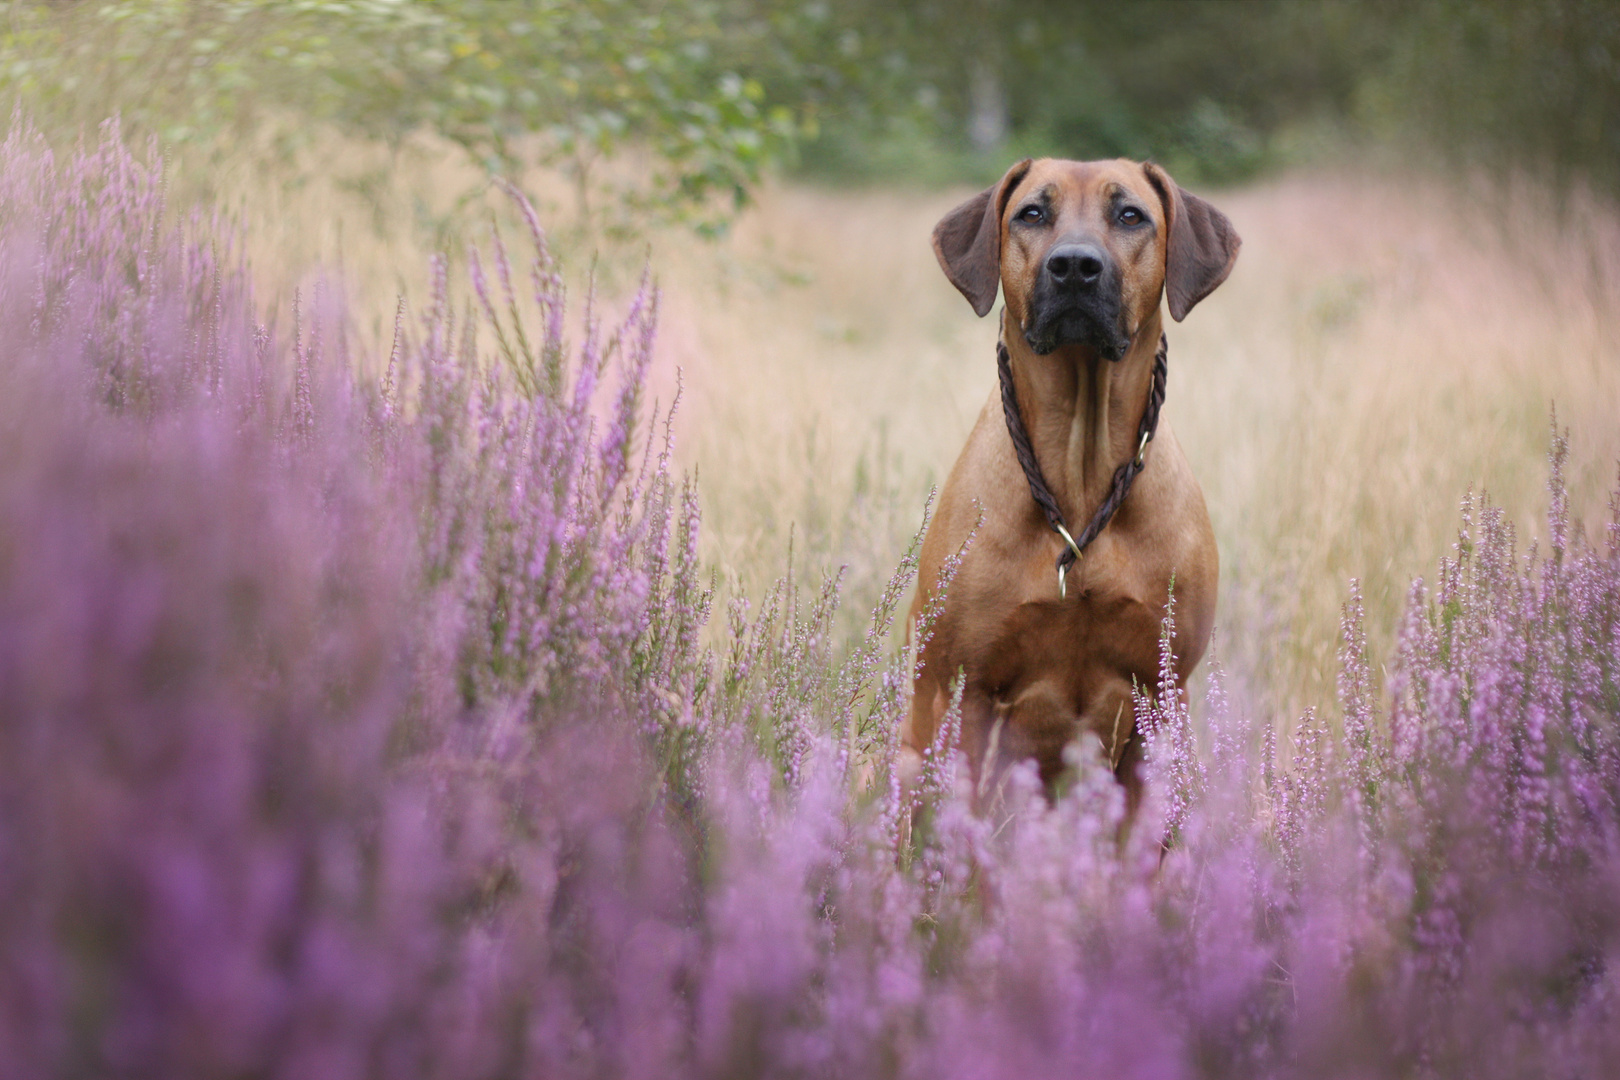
1031	214
1130	216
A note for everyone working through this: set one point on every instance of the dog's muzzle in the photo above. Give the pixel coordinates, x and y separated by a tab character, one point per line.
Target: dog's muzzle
1077	302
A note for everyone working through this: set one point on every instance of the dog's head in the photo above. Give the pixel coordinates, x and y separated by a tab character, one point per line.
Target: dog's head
1083	250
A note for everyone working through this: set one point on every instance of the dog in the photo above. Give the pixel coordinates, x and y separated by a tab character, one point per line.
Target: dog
1083	253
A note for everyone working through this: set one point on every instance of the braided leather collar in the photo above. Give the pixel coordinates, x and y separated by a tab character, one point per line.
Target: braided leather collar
1124	476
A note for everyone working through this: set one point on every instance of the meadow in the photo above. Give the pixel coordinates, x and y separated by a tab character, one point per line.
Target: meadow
1390	341
403	687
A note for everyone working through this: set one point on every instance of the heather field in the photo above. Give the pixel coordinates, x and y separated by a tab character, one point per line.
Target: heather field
432	665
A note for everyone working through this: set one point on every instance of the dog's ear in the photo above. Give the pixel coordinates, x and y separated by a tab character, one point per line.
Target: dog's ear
967	241
1203	245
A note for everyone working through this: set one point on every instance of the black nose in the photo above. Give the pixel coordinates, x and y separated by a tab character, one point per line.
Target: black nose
1075	264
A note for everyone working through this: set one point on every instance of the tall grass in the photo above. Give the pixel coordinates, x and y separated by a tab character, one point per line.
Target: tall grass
1385	344
387	726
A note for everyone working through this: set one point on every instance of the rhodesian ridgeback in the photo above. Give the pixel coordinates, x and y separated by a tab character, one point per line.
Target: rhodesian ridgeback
1083	253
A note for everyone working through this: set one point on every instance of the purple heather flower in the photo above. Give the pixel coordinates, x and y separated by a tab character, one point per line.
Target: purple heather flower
378	729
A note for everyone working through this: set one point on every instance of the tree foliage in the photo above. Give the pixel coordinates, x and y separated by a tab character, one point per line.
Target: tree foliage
567	81
713	92
1536	85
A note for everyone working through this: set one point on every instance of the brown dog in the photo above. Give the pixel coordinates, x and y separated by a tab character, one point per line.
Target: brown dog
1083	252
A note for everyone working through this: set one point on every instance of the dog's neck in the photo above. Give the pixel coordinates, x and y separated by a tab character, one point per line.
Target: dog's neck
1082	411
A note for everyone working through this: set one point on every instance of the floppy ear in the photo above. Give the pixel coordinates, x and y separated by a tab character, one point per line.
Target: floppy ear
1203	245
967	241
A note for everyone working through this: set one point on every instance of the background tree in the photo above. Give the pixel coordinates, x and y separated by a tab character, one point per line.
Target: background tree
713	92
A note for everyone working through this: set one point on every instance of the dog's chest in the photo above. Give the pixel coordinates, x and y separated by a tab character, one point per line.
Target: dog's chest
1095	634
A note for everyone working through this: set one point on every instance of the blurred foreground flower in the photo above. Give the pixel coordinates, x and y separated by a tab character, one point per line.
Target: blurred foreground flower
371	729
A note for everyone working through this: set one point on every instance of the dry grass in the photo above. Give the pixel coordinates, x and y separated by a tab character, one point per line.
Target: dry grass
1385	344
